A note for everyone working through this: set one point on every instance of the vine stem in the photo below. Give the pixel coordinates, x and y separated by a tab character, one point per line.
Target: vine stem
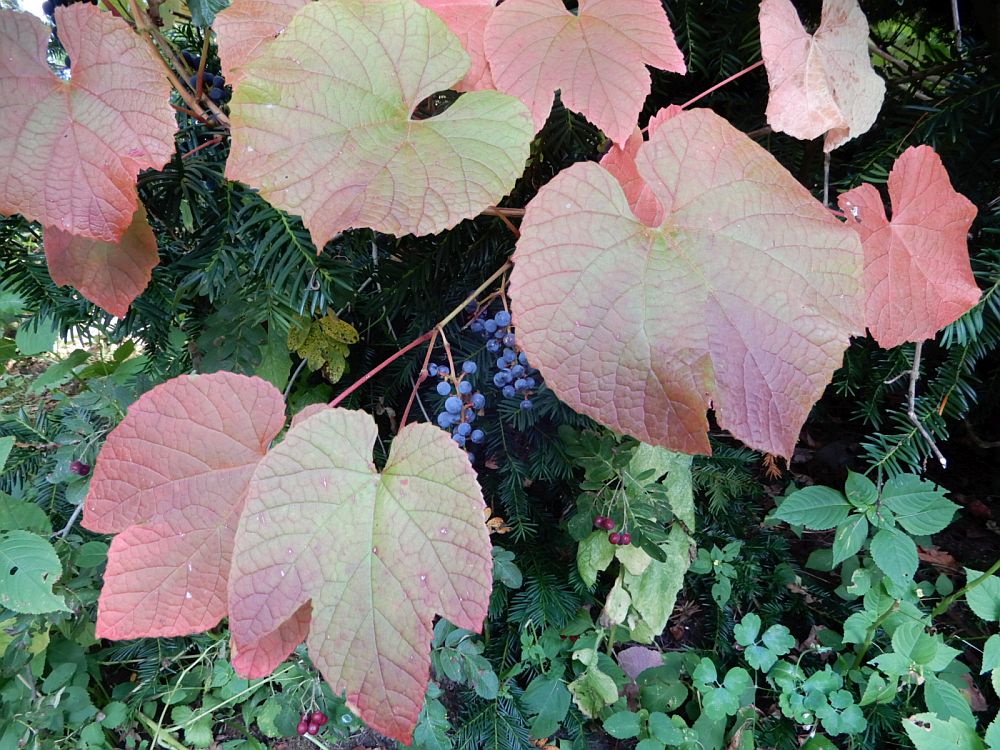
438	329
911	406
720	84
420	379
945	603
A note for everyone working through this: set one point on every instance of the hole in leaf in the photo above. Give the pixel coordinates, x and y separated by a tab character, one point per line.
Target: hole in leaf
13	570
434	104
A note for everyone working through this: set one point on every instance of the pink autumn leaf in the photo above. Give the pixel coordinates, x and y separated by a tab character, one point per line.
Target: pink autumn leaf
597	58
918	278
467	20
245	27
70	150
350	74
820	83
620	161
171	482
377	554
109	274
742	300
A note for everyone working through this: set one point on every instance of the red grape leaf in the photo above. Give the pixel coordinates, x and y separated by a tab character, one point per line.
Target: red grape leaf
70	150
597	58
109	274
918	278
350	73
820	83
245	26
620	161
467	19
377	555
171	481
742	300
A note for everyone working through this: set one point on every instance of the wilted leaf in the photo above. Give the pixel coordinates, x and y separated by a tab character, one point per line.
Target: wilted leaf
171	480
109	274
350	73
467	19
820	83
918	278
377	555
743	300
70	150
245	27
596	58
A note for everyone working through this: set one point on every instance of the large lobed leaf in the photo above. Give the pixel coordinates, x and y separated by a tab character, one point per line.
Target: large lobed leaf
376	554
823	82
70	150
467	19
743	299
171	481
596	58
918	278
350	73
109	274
245	27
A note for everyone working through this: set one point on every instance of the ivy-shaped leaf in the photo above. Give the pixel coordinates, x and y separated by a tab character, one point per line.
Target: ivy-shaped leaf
823	82
596	57
918	278
70	150
350	73
171	481
109	274
245	27
644	329
376	554
467	19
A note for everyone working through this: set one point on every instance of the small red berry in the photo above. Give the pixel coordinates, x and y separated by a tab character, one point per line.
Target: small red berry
302	728
626	538
599	521
79	467
318	718
615	538
313	728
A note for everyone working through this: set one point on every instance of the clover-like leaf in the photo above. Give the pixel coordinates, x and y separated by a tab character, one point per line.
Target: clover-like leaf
350	73
171	481
644	329
823	82
918	278
467	19
109	274
245	27
376	554
596	57
70	150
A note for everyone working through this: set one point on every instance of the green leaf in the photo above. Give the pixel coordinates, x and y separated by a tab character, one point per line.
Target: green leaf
705	673
548	698
991	654
861	491
203	12
984	599
91	554
36	335
720	702
622	725
275	360
592	691
817	508
654	593
24	515
928	731
649	743
29	567
593	555
664	730
849	537
60	675
760	658
115	714
58	372
947	701
745	632
6	443
920	506
913	642
677	467
992	736
895	554
505	570
779	639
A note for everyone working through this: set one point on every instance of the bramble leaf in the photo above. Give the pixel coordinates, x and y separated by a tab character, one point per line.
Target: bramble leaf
919	506
820	83
351	74
645	329
171	481
895	554
918	278
984	599
109	274
817	507
70	150
596	58
376	554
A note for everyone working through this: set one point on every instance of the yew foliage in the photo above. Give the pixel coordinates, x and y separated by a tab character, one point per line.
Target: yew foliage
690	272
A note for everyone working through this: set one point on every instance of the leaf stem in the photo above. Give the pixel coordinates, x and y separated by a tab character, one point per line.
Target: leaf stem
943	605
720	84
419	381
911	406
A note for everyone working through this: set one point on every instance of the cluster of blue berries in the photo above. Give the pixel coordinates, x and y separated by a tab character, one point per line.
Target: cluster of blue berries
462	404
515	378
213	85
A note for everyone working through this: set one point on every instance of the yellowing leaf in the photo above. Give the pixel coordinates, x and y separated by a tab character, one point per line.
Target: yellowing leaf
644	329
376	554
350	74
70	150
245	27
820	83
467	19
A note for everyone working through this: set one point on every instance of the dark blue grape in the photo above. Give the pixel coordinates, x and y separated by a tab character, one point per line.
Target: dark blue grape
501	379
465	387
216	94
490	326
460	439
527	405
501	364
464	428
520	384
443	371
453	404
517	371
531	382
444	420
509	355
476	326
509	392
472	457
523	359
502	318
469	367
432	370
509	340
478	401
493	346
443	388
477	436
